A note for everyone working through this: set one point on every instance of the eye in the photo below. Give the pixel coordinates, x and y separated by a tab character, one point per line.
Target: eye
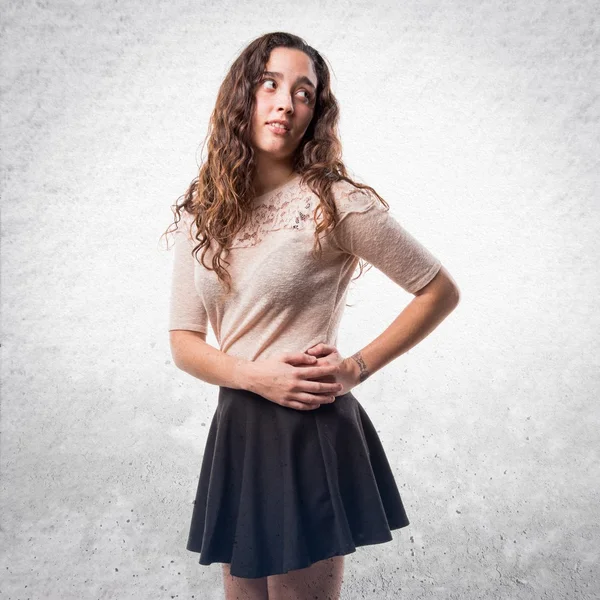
263	81
308	95
307	98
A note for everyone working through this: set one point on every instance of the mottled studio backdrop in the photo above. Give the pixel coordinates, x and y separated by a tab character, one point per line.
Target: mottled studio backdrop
477	121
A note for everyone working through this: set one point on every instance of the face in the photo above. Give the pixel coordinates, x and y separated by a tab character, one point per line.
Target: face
287	93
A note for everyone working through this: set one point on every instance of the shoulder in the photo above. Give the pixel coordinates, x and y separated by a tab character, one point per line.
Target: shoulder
349	198
185	226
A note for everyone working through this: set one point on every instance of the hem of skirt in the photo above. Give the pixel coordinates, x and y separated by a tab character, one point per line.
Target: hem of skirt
206	561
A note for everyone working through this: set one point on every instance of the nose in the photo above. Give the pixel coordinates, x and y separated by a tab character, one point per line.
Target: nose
284	101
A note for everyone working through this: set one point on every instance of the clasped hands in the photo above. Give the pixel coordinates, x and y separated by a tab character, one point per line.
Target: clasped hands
347	376
303	380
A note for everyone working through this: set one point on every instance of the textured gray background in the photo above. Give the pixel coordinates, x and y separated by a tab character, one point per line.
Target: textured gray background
477	121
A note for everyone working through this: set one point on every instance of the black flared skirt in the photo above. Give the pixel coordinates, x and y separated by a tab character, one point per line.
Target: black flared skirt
282	488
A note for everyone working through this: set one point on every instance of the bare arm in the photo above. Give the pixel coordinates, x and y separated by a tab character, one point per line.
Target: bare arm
430	306
192	354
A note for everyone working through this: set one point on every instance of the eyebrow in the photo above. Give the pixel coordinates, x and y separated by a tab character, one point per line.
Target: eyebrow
300	79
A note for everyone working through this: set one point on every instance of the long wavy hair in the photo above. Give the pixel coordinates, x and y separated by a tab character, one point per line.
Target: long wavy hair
220	197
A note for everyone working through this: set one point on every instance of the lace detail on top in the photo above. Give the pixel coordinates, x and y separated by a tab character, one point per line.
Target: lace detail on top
288	209
293	207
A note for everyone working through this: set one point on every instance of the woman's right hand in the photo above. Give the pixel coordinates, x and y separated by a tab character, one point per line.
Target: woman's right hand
285	380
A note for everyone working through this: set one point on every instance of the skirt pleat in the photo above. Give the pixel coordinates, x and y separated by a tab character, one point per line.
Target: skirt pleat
280	488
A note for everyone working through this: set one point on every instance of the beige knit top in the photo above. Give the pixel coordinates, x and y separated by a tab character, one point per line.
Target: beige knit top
283	299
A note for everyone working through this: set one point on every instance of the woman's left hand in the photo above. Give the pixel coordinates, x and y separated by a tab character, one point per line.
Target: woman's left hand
348	373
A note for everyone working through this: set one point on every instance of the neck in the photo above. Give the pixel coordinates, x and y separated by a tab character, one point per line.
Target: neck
270	175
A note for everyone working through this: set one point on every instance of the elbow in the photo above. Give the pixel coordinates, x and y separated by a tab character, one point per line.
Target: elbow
442	289
175	358
449	295
447	300
183	342
176	349
454	296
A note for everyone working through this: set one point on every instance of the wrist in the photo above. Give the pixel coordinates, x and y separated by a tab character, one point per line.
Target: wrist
359	368
244	375
353	370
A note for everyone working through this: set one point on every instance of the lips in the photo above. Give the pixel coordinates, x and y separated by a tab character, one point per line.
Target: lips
285	124
278	131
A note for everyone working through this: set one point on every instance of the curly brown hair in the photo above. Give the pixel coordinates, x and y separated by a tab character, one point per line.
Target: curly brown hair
220	197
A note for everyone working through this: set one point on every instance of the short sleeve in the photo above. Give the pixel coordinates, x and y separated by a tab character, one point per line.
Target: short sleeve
366	229
186	310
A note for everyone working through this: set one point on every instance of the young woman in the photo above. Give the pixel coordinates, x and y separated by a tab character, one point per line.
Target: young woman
294	476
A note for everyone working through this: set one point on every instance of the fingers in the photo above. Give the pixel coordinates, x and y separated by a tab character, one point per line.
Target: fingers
322	371
321	387
302	406
309	403
321	348
299	358
311	393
